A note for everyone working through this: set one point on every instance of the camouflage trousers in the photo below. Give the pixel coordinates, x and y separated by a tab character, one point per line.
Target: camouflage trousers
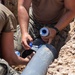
33	30
5	69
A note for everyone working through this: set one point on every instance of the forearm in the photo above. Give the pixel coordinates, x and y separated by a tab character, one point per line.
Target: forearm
23	18
68	16
65	20
23	14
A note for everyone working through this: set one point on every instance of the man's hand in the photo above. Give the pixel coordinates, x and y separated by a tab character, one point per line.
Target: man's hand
19	60
26	38
48	39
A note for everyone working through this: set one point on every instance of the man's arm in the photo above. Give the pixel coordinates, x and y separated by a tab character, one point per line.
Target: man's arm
23	16
65	19
68	16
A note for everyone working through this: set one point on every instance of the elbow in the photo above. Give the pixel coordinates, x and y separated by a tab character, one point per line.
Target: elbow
73	12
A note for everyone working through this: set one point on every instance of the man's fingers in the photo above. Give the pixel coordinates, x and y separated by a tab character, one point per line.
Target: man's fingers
23	61
25	45
30	39
50	40
32	54
28	58
45	39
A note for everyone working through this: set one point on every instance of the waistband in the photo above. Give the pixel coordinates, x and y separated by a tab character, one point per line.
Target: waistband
38	24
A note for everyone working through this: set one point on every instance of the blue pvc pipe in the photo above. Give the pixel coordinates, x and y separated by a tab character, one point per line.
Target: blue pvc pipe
38	65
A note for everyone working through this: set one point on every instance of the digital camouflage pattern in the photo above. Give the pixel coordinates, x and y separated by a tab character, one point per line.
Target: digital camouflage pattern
5	69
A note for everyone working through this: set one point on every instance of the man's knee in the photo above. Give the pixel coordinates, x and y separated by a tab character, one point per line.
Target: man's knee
17	39
3	67
3	70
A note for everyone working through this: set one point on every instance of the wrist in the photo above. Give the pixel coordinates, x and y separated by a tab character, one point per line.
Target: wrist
24	34
56	29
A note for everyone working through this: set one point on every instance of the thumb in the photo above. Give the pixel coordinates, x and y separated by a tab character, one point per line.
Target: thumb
30	38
